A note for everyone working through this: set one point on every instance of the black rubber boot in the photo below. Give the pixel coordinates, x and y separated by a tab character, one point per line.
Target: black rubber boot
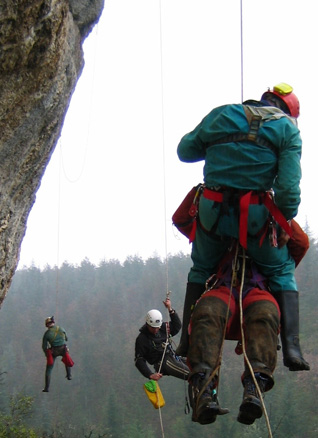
47	384
193	293
203	398
251	407
288	301
68	373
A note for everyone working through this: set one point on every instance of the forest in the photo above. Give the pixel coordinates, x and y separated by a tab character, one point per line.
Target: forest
102	308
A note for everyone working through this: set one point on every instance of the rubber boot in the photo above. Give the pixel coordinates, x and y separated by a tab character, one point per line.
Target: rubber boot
288	301
68	373
193	293
47	384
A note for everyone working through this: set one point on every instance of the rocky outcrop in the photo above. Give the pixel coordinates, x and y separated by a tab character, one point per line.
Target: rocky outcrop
41	60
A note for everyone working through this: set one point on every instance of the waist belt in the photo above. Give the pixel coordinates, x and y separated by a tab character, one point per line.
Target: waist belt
246	199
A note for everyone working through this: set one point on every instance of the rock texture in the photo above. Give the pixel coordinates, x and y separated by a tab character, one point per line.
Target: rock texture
41	60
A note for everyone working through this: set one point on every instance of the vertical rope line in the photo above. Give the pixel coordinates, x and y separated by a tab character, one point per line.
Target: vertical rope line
242	59
260	395
164	183
86	138
163	146
57	278
57	281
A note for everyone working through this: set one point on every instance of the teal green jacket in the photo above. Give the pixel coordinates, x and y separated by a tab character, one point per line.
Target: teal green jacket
246	165
54	337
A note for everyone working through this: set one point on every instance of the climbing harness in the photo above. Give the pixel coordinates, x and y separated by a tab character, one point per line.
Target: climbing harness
185	218
245	199
252	136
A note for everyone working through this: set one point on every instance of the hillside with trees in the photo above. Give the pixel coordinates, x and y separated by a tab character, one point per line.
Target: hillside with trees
102	308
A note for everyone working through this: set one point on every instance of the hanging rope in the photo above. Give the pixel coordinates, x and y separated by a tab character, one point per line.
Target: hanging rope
89	117
163	147
57	277
244	349
244	259
242	58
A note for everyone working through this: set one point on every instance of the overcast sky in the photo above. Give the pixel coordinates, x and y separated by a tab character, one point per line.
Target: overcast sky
153	70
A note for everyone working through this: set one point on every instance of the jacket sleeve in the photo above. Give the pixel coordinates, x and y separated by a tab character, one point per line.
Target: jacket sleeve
44	343
65	335
175	323
192	146
140	361
287	184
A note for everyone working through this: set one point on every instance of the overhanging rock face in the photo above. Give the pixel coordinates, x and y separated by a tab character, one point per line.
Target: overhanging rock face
41	60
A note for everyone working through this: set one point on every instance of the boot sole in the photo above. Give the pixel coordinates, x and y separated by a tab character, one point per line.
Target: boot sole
206	416
295	364
249	412
208	413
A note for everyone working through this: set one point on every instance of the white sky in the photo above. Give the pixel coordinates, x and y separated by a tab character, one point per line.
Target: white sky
153	70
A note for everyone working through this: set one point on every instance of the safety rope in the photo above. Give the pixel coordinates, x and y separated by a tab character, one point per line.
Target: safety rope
244	349
57	277
89	118
218	367
242	59
164	198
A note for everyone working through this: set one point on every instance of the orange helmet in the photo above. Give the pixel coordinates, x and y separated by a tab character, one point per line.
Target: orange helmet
285	93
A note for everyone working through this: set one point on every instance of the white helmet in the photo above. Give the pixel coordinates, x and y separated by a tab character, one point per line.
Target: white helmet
154	318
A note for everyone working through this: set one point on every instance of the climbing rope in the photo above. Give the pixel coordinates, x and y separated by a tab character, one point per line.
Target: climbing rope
244	349
242	58
164	201
217	370
86	136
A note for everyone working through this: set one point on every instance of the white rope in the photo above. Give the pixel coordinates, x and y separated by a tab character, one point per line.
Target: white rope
164	199
244	349
242	58
89	117
244	258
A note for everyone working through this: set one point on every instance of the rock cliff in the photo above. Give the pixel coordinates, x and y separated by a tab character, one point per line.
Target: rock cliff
41	60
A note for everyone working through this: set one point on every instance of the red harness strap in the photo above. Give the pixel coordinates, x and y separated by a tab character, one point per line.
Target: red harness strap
252	198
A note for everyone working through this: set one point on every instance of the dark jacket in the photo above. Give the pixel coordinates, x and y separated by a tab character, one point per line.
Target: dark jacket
149	348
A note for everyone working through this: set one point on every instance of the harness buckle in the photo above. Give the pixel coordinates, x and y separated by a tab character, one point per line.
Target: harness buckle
254	127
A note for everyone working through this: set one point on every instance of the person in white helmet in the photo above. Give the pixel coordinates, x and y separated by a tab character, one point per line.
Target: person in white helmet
150	346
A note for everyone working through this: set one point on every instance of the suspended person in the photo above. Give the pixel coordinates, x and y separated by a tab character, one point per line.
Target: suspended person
249	149
216	317
151	347
54	345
